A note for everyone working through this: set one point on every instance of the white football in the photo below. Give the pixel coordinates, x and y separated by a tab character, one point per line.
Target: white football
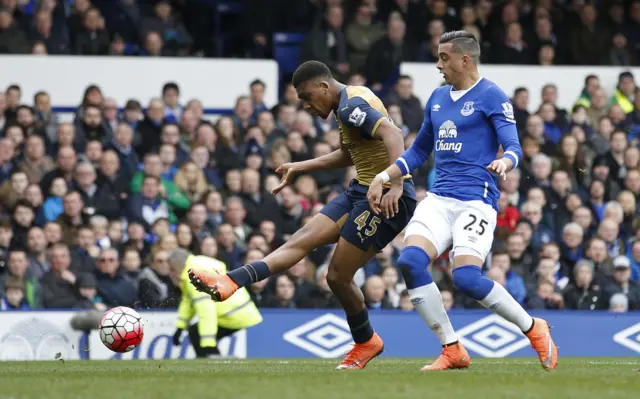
121	329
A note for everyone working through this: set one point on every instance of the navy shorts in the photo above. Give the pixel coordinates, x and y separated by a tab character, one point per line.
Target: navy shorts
360	226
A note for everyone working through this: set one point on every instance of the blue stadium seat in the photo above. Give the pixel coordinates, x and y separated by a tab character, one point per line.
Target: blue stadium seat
286	51
224	8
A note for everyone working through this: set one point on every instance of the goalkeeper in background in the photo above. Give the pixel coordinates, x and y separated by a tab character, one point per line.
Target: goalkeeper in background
215	320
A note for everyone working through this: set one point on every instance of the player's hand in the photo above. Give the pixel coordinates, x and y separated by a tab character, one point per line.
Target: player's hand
288	171
374	195
176	337
498	167
389	203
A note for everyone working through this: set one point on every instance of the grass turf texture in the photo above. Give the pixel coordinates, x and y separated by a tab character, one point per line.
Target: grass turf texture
386	378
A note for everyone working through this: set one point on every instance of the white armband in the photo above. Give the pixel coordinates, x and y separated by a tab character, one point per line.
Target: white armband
384	176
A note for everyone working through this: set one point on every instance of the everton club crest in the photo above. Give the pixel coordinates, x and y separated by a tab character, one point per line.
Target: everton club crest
467	108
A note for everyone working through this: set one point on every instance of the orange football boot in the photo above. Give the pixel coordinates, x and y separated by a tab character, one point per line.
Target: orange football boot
541	341
452	357
361	354
219	286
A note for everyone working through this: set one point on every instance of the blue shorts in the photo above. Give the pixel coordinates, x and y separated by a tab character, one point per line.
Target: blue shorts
360	226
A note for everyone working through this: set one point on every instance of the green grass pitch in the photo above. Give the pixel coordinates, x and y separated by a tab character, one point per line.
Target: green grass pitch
388	378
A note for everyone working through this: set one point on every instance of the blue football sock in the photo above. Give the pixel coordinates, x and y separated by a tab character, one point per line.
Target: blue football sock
469	279
249	274
413	262
360	327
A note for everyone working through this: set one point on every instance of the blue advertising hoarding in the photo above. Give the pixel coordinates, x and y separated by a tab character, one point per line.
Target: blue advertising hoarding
324	334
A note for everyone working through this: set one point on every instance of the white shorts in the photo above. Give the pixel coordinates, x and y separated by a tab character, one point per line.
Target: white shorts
468	226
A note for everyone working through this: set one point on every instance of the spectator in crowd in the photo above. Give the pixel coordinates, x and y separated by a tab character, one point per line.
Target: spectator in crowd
73	215
122	144
156	288
12	39
14	296
93	38
58	286
54	39
36	164
513	282
175	36
589	40
620	282
360	35
402	95
584	293
148	204
13	190
374	294
66	160
37	252
113	287
326	42
284	293
18	271
387	53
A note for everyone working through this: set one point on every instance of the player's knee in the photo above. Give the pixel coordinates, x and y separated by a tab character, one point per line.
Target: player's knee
469	279
334	278
413	263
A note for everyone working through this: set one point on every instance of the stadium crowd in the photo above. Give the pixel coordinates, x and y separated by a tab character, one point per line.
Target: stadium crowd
91	208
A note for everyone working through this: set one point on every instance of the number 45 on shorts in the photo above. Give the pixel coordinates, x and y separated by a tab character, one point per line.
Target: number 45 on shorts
363	228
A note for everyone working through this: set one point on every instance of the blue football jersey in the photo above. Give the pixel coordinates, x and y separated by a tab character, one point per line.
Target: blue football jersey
465	134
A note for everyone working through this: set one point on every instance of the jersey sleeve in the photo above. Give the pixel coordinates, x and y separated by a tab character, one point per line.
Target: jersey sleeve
500	113
422	146
358	113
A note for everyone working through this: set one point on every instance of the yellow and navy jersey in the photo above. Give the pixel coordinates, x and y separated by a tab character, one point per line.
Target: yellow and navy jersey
359	115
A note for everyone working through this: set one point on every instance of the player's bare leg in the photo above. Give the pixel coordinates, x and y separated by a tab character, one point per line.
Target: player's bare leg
467	276
425	296
319	231
346	261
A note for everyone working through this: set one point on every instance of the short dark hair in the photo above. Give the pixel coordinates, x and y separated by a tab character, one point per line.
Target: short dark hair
519	90
24	107
14	87
257	82
589	77
404	77
22	203
618	131
40	93
155	178
463	43
310	70
170	86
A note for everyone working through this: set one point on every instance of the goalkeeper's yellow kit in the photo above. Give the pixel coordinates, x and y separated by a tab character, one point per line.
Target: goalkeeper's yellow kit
236	313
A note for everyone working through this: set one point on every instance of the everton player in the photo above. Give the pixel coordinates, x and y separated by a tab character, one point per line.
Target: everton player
371	142
465	122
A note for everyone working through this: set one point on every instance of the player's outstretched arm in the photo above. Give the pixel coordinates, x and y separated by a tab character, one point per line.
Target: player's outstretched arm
412	158
337	159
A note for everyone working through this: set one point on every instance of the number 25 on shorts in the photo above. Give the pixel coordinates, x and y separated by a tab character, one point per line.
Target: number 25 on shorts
476	224
361	222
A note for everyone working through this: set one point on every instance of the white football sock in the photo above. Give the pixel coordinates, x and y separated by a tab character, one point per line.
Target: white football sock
428	302
501	302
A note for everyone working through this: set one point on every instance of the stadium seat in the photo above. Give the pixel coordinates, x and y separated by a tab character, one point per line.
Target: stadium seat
286	51
221	37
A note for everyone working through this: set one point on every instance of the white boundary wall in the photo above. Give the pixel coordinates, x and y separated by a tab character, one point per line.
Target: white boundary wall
215	82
